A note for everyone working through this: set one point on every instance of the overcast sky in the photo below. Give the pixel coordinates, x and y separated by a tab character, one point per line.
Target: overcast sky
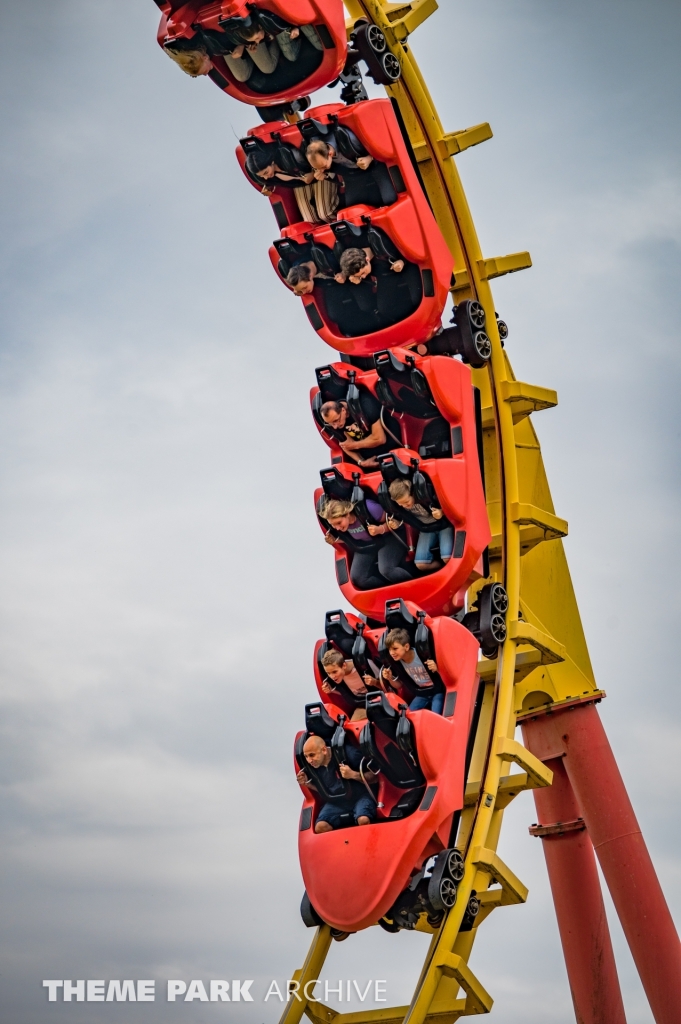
162	579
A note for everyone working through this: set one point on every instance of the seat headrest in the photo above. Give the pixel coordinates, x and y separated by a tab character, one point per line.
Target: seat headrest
332	385
289	249
236	22
398	616
348	143
311	129
318	721
393	468
387	363
423	640
335	485
339	631
324	257
347	233
380	710
252	142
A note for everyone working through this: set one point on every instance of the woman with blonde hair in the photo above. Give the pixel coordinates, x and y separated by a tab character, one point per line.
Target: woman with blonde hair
244	44
377	553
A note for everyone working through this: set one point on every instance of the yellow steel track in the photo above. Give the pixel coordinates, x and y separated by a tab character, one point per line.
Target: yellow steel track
544	659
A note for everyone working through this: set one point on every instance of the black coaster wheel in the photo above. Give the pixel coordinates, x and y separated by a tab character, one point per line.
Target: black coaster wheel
476	315
473	343
493	604
382	65
482	349
391	68
338	935
502	327
376	39
472	911
455	865
311	918
441	886
488	622
499	598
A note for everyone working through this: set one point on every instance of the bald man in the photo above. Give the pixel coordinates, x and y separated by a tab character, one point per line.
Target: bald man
336	780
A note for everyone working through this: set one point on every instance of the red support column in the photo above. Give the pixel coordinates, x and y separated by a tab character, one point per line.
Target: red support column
577	734
576	889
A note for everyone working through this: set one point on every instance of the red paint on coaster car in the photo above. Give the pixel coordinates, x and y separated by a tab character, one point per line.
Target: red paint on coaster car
354	875
458	484
408	221
422	418
328	17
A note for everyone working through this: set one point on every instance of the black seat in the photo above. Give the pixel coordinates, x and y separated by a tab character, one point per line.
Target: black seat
334	387
331	383
335	485
436	439
398	616
348	235
353	644
324	726
324	257
348	144
290	251
318	721
393	752
403	387
407	803
312	129
287	157
339	632
393	468
361	653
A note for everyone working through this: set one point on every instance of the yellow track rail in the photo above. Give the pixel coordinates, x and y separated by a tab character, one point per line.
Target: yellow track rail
545	658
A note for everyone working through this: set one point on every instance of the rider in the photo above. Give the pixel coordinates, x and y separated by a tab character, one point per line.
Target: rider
364	179
377	553
341	671
432	524
317	201
430	693
375	290
359	445
345	785
262	39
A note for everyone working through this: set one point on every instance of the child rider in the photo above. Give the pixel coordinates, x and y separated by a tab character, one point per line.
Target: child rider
431	693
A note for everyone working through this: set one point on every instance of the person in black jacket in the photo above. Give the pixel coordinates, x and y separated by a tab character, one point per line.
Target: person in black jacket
433	526
345	786
382	281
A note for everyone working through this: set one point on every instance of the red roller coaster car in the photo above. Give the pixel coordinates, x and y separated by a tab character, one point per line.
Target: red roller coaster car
292	79
426	401
405	217
456	481
356	877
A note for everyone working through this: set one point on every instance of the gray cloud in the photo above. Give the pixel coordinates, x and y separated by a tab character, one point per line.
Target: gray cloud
163	581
